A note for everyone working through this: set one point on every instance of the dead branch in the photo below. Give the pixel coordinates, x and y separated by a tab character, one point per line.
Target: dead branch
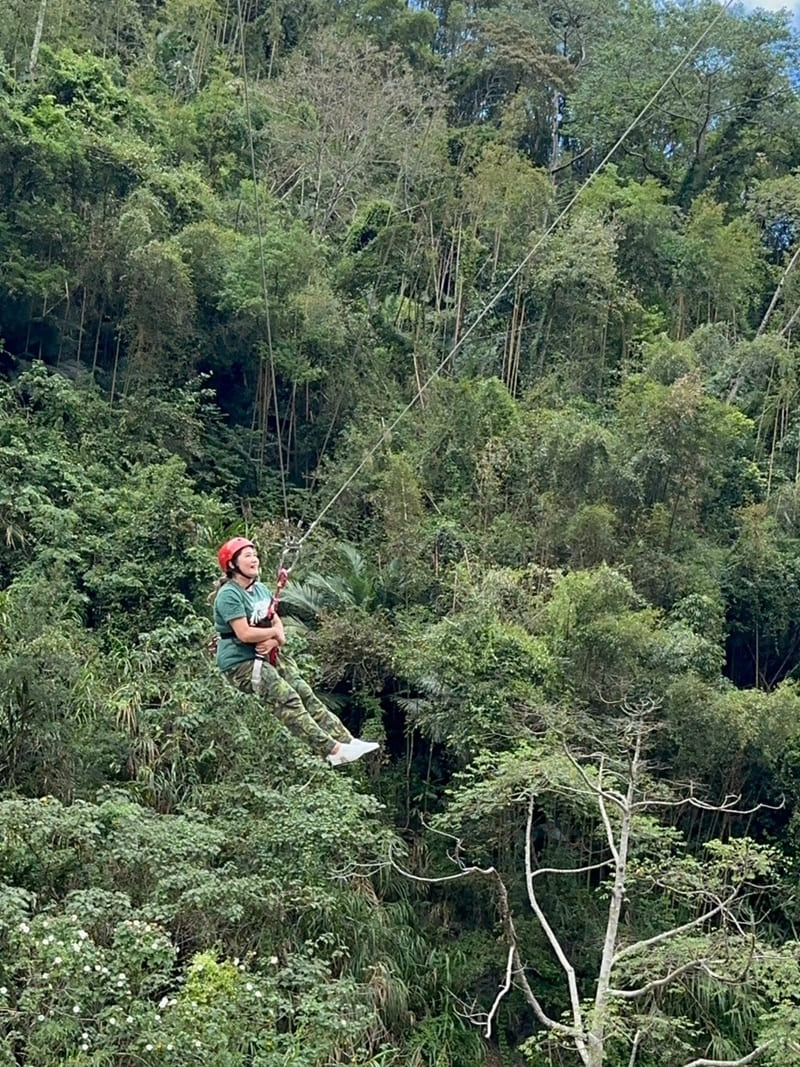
726	806
675	931
504	988
569	970
637	1040
701	964
657	983
751	1057
596	789
576	1033
455	857
515	965
465	872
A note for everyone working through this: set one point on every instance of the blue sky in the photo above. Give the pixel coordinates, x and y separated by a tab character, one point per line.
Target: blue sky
775	5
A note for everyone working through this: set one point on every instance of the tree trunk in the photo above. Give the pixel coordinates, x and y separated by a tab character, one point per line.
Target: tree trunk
595	1047
37	38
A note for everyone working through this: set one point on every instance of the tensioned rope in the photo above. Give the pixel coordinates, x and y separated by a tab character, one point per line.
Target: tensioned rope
512	276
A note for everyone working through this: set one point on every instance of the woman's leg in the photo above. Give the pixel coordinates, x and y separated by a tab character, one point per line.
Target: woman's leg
286	704
324	718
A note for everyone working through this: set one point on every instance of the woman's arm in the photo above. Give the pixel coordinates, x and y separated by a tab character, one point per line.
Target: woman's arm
254	635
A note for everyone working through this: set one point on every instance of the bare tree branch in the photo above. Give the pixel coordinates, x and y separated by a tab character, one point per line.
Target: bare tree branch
594	788
675	931
791	321
504	988
775	296
637	1040
657	983
511	938
601	801
701	964
726	806
569	970
576	1033
458	842
570	870
37	39
427	880
751	1057
602	795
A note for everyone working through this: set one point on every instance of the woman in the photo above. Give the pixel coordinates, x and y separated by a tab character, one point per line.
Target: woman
247	636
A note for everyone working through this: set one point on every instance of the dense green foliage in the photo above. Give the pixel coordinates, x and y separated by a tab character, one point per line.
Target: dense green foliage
264	263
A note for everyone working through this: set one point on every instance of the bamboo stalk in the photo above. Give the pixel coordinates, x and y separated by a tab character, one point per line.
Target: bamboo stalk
37	39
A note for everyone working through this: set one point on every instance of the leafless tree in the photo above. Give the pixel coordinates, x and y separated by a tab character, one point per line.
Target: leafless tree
717	941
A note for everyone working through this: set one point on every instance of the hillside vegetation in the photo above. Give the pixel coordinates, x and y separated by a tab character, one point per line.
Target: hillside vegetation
497	305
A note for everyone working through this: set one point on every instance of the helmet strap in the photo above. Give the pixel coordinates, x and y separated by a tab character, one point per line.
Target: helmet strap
232	566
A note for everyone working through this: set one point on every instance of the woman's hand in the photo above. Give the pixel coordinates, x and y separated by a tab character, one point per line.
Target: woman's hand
277	627
263	648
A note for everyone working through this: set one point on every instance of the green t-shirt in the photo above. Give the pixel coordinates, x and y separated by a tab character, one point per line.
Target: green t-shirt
233	602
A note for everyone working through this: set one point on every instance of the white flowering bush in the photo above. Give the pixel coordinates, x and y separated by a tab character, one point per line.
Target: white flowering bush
108	965
65	999
134	939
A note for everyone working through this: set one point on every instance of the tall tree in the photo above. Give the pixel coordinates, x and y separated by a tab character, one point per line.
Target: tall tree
677	927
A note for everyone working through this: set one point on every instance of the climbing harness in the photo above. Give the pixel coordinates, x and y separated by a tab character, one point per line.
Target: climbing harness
291	549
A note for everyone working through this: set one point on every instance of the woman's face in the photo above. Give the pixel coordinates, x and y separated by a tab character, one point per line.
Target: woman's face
247	562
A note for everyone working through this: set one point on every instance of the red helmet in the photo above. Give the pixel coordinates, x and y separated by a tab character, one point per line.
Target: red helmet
230	549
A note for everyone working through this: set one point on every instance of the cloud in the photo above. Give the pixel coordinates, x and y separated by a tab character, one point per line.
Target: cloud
772	5
792	6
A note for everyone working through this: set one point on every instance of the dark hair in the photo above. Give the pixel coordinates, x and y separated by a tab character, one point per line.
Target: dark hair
218	584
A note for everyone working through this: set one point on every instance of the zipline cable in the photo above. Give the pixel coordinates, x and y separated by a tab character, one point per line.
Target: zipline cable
514	274
295	545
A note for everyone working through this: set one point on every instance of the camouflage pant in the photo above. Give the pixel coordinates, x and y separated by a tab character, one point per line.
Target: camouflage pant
292	700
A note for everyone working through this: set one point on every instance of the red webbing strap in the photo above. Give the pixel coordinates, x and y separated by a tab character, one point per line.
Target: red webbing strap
280	584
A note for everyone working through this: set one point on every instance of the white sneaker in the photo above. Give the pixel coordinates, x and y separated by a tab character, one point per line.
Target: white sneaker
350	751
364	746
